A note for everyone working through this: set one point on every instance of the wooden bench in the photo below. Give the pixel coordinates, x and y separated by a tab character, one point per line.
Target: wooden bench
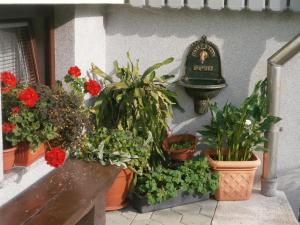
72	194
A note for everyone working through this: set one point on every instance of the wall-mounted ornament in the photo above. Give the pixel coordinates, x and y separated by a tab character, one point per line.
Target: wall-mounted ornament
203	75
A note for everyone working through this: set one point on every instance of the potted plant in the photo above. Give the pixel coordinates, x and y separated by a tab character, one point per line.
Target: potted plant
180	147
24	127
119	148
140	103
67	113
165	187
234	133
31	129
8	149
8	83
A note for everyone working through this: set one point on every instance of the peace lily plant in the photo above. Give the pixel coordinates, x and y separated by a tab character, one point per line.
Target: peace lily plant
235	132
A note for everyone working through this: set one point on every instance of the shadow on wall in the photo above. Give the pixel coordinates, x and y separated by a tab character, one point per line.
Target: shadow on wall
245	40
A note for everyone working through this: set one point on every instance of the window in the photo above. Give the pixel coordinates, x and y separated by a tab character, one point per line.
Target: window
17	51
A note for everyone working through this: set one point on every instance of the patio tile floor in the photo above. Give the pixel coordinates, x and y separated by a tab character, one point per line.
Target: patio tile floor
259	210
190	214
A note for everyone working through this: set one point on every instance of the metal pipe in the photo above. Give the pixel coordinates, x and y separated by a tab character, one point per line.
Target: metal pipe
269	178
275	62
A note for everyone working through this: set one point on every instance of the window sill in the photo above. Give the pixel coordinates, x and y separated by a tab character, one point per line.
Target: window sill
21	178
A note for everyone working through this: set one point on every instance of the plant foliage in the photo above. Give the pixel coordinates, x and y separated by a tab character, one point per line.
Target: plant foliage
67	113
193	176
138	103
116	147
240	130
30	124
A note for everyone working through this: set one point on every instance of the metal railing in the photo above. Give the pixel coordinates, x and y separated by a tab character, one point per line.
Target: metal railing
275	62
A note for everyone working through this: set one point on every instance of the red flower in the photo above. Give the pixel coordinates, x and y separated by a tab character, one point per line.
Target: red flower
28	96
74	71
92	87
55	157
15	109
9	80
8	127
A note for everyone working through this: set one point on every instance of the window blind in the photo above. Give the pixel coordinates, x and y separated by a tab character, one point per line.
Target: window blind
17	52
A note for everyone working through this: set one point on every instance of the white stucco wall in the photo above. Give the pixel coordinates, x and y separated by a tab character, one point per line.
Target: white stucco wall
79	38
245	40
89	36
289	154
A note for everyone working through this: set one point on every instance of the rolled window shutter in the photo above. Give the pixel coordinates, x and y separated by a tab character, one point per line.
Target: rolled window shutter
17	52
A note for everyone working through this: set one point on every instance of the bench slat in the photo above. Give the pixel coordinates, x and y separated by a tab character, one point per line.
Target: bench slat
62	197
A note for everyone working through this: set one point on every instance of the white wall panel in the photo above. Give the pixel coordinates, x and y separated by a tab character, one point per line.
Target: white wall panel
157	3
195	4
295	5
215	4
277	5
176	3
236	4
137	3
257	5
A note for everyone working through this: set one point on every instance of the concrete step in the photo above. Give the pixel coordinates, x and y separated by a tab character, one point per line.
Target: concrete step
259	210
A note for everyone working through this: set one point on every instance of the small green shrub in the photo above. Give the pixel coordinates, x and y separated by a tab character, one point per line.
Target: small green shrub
116	147
194	176
181	145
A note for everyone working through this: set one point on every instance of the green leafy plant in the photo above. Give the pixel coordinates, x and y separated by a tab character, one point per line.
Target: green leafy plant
23	109
181	145
138	103
194	176
235	132
197	177
116	147
30	128
67	113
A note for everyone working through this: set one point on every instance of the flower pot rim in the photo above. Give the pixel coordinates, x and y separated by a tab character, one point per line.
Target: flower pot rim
10	149
215	164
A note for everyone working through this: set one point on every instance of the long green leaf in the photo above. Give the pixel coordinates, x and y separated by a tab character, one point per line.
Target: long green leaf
97	71
156	66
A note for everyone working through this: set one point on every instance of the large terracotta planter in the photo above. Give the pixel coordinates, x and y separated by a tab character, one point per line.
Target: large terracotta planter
25	156
8	159
180	154
236	177
117	194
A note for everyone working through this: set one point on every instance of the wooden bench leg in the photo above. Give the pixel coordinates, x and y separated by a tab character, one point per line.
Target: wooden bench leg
100	209
88	219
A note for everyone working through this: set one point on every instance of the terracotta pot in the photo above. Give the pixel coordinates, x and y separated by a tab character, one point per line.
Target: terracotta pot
8	159
117	194
25	156
236	177
180	154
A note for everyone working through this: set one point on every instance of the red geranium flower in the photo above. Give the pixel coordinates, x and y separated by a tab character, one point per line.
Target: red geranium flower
9	80
74	71
92	87
28	96
55	157
8	127
15	109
